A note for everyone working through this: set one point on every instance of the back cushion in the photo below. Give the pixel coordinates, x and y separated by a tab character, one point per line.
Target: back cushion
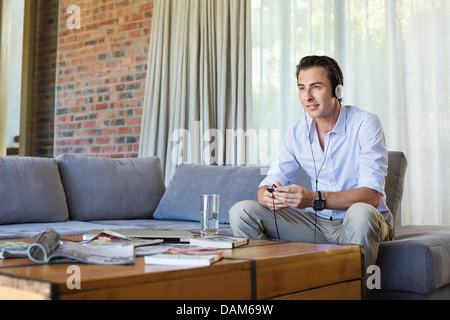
112	189
31	191
182	198
394	184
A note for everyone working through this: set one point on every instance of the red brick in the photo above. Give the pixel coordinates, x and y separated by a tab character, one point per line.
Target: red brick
100	74
102	140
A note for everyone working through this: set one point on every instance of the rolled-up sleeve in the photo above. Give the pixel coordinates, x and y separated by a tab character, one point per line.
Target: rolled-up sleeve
373	159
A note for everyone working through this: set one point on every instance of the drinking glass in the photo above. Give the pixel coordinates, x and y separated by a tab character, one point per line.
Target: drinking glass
210	214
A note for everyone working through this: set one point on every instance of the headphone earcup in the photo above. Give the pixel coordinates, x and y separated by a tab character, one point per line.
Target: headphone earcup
339	92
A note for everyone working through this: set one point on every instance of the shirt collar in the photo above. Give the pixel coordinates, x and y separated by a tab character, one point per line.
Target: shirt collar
312	128
340	127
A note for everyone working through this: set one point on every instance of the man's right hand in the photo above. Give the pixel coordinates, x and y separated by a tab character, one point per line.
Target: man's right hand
266	198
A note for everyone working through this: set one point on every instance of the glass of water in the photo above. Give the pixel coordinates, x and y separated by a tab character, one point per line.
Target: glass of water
210	214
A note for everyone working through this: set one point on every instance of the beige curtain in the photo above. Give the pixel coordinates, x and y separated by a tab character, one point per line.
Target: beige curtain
198	92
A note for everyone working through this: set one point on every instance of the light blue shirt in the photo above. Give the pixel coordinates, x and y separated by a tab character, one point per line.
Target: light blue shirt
356	157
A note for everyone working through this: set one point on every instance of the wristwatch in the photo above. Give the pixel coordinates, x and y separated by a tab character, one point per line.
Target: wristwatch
319	202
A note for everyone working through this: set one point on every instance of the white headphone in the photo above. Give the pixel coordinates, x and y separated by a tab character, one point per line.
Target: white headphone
339	91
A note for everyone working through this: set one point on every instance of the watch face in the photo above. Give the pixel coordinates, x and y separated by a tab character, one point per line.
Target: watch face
319	205
319	202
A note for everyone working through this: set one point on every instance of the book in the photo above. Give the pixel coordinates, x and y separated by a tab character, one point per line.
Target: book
222	242
49	248
185	257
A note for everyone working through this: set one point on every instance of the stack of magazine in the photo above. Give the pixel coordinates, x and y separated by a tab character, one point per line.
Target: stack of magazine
187	257
13	249
106	248
216	241
202	251
112	248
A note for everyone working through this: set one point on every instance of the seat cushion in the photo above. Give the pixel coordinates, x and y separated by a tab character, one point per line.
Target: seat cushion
417	261
111	189
31	191
76	228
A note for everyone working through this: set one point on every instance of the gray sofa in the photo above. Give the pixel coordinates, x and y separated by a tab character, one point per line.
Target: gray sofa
75	194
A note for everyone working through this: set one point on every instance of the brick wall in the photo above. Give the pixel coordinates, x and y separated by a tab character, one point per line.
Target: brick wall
100	77
42	123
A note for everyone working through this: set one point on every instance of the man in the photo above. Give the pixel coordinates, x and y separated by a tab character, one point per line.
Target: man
342	149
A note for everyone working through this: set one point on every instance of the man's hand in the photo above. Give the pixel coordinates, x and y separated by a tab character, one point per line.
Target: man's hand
286	197
293	196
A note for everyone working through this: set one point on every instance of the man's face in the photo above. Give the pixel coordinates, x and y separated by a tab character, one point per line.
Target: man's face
316	94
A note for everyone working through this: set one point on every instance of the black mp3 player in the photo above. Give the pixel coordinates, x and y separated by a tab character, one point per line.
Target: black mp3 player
272	188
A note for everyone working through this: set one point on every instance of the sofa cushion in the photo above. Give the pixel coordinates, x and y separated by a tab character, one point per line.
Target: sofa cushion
104	188
154	224
182	198
417	261
31	191
395	180
76	228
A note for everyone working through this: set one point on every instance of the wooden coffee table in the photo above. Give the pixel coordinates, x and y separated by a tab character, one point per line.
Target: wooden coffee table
260	270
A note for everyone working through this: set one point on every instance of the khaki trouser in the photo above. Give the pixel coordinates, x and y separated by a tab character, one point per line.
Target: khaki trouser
363	224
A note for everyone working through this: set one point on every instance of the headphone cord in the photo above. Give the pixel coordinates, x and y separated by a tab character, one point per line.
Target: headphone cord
275	217
320	169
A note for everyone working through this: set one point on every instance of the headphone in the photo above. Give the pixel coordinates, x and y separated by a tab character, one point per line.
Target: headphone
339	90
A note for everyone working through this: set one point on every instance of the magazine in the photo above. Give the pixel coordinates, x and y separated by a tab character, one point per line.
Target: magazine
222	242
13	249
49	248
185	257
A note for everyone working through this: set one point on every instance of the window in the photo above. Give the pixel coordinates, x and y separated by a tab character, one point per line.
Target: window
394	56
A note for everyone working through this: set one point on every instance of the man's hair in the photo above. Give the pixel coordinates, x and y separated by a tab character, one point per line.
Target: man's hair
332	68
